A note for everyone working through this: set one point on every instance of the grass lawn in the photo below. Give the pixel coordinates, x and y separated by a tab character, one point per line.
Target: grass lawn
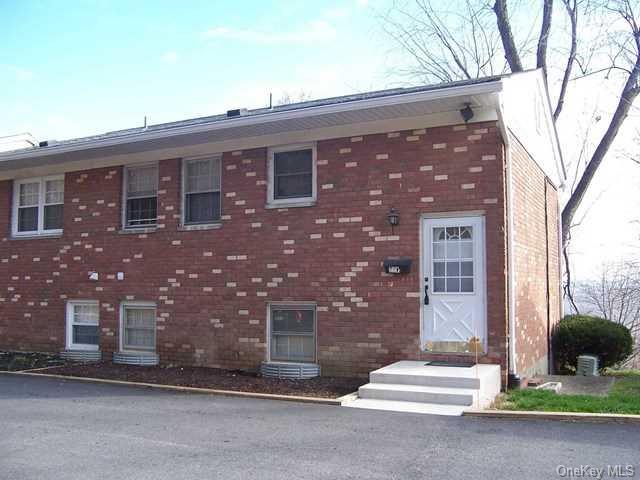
624	397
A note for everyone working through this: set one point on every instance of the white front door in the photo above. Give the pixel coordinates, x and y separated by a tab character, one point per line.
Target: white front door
453	285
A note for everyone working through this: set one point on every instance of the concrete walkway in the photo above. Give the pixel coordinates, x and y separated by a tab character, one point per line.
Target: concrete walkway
73	430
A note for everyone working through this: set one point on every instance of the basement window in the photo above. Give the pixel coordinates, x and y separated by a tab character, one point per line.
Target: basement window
201	187
82	325
292	175
138	327
141	196
38	205
293	332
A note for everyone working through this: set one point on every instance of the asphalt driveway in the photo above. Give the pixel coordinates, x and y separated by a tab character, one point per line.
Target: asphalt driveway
63	429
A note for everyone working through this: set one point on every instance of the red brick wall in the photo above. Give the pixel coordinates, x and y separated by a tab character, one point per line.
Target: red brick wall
212	287
536	261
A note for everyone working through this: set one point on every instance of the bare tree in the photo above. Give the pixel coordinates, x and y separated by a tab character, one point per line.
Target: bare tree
288	98
615	295
474	38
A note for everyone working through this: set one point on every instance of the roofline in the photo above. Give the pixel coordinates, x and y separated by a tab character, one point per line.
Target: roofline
492	86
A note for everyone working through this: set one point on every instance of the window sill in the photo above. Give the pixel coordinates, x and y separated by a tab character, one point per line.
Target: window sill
292	204
196	227
137	231
36	236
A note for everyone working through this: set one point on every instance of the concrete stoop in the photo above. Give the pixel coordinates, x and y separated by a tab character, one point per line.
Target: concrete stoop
416	387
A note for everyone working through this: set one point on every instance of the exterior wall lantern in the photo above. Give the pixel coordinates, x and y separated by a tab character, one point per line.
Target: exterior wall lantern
393	218
466	112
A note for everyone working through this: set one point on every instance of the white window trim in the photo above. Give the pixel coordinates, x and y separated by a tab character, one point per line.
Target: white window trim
183	193
292	202
69	325
125	173
293	305
41	204
137	304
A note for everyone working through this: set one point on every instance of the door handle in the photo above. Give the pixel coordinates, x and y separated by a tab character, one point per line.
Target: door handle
426	290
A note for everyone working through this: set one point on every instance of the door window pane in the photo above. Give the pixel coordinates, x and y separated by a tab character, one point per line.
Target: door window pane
456	245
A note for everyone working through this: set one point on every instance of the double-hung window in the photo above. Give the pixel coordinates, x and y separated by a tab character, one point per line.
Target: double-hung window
138	330
38	205
292	175
141	196
293	332
201	187
82	325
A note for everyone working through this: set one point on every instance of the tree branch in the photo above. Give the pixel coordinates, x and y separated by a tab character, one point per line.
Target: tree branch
508	43
572	10
543	39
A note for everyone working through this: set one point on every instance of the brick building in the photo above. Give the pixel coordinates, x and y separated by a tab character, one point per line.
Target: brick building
266	235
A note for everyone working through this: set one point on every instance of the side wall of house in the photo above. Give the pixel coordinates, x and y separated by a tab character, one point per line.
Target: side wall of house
536	261
212	287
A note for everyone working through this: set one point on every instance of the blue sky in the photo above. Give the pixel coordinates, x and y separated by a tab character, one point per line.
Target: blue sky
82	67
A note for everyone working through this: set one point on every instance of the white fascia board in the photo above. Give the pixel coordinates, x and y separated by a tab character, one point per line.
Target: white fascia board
404	98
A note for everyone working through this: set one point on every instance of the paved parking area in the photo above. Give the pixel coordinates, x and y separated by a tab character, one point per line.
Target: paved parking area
64	429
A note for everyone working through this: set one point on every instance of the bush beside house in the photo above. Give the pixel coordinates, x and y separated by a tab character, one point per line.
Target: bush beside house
588	335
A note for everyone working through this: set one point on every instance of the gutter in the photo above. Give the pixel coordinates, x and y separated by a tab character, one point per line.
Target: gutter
513	367
249	120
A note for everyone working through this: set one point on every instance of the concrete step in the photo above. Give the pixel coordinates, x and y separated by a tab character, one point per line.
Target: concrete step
418	393
409	407
425	380
409	372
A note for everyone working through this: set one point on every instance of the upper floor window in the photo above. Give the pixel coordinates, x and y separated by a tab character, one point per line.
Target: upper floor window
201	190
38	206
292	175
141	196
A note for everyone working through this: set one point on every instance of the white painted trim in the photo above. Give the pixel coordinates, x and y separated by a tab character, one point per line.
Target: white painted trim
183	193
511	277
247	143
69	324
40	232
142	305
401	98
292	304
291	202
125	173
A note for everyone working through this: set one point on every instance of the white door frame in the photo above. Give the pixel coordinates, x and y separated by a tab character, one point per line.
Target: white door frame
452	215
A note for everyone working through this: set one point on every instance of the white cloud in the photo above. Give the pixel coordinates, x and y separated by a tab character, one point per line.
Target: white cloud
169	57
315	31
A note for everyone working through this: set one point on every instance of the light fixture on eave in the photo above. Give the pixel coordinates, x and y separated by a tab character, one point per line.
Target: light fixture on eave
466	112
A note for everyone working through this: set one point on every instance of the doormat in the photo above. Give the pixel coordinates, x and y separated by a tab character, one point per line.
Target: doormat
442	363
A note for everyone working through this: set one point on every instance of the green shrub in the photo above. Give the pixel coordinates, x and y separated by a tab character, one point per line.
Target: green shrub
586	335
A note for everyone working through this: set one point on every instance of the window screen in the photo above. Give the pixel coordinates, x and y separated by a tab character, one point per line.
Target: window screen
293	333
202	191
142	196
139	325
293	174
84	324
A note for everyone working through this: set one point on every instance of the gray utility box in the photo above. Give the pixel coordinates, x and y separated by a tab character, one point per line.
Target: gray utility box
587	366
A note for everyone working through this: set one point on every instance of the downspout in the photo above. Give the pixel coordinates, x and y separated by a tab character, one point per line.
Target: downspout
511	294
